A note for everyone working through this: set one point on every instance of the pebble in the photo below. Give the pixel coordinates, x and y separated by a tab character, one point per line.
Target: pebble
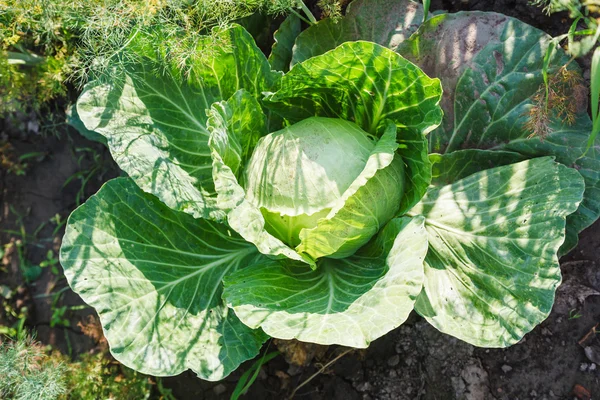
506	368
583	367
592	367
546	332
393	360
219	389
364	387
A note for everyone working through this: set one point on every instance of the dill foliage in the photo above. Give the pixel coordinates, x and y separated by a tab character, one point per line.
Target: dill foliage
27	373
50	46
30	371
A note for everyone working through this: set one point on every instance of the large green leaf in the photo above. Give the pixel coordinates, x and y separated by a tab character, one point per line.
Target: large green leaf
281	52
451	167
155	122
490	66
154	277
349	302
492	269
235	126
74	120
361	82
412	147
387	22
589	210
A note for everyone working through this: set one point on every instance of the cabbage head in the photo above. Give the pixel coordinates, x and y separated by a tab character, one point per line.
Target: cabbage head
301	177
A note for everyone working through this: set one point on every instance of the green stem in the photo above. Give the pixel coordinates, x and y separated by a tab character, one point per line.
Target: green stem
297	14
306	11
426	4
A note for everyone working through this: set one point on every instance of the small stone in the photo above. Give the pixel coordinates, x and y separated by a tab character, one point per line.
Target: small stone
364	387
583	367
294	370
546	332
592	367
262	374
220	389
506	368
551	394
393	360
533	393
393	373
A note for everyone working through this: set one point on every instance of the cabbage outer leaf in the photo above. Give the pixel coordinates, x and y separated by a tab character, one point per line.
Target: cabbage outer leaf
387	22
490	65
285	36
492	269
412	148
154	277
349	302
361	82
235	125
589	209
451	167
155	123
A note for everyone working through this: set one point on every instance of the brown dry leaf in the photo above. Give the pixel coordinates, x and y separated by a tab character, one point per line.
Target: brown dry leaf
581	393
591	344
92	329
10	260
284	378
300	353
580	280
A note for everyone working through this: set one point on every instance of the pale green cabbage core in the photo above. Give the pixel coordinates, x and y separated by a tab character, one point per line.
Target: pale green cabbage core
298	174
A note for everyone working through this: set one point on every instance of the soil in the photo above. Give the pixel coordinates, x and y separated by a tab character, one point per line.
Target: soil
28	203
560	359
